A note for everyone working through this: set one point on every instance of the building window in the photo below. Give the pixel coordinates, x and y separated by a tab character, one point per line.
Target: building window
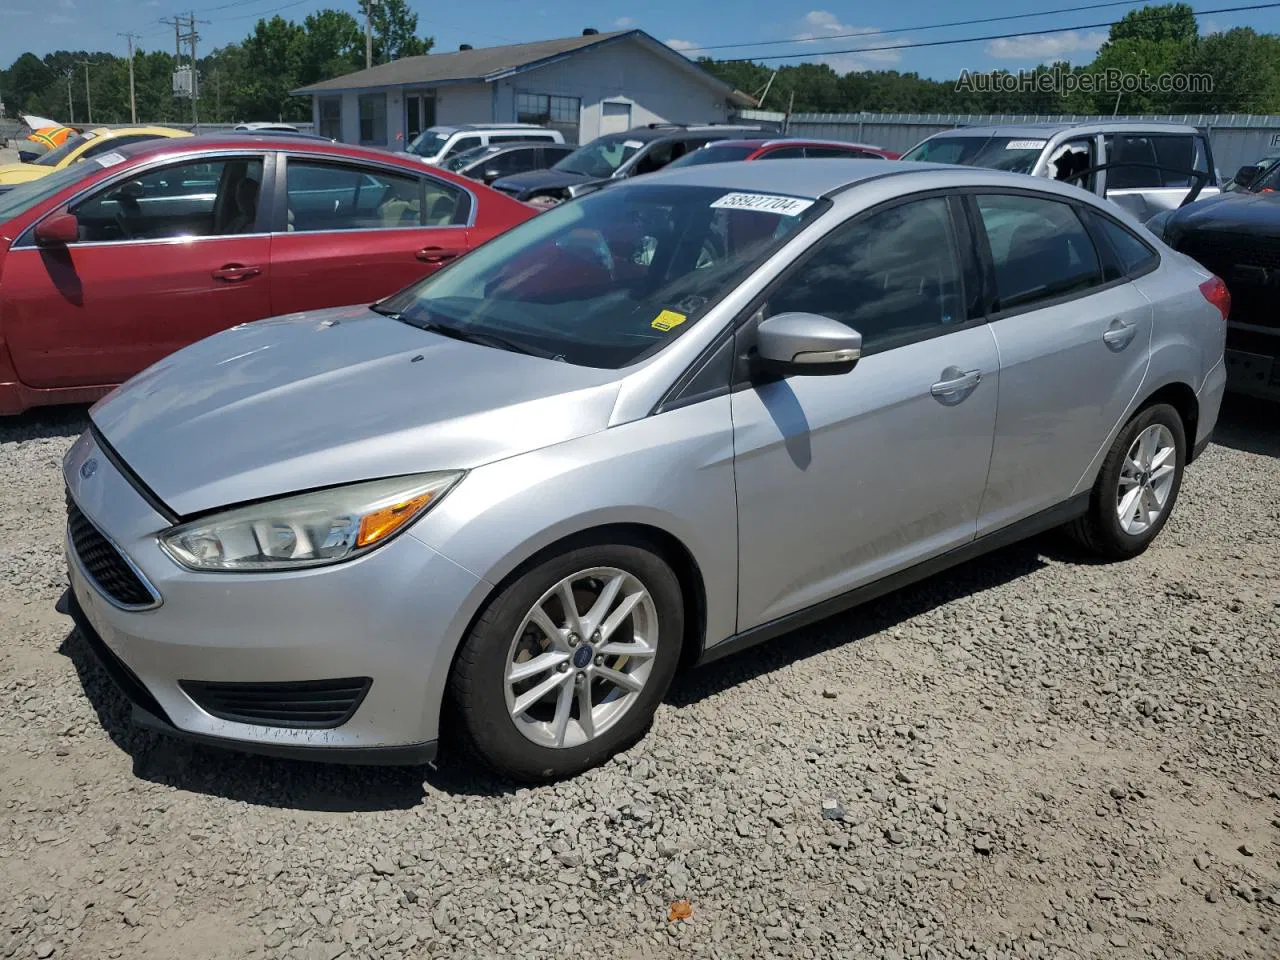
373	119
331	117
559	113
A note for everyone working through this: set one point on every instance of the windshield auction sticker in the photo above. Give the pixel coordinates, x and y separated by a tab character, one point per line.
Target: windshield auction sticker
1026	144
762	203
668	319
110	159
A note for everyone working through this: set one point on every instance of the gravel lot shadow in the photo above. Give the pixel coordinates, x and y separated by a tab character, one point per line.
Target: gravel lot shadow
44	423
975	576
1249	425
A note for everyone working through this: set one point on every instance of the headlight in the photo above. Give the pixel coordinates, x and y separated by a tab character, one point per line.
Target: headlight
309	529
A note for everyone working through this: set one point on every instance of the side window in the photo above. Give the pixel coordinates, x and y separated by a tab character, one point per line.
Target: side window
194	199
1039	248
1123	149
818	153
894	276
1073	158
508	137
656	157
332	196
462	143
784	153
1126	255
509	161
1176	153
554	153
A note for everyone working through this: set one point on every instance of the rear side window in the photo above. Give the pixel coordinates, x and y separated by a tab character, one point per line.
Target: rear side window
819	152
1039	249
511	137
335	196
462	143
783	153
1123	149
1124	255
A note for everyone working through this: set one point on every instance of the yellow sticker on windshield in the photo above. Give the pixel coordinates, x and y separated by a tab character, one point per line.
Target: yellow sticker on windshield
668	319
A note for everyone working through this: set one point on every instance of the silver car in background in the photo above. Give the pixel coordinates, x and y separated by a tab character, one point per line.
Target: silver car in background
641	431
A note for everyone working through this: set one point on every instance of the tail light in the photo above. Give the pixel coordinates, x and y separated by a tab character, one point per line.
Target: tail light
1216	292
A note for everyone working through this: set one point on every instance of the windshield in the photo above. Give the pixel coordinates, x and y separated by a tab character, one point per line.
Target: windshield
22	198
607	279
1269	181
599	158
465	158
1015	154
428	143
711	155
58	154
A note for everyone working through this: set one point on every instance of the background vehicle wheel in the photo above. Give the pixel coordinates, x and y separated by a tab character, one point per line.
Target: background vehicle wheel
568	663
1136	487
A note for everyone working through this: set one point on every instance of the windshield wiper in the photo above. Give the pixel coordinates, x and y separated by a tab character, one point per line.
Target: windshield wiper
379	308
484	339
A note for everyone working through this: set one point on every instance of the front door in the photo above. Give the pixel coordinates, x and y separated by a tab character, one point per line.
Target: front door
419	114
354	233
1073	352
165	258
842	479
614	117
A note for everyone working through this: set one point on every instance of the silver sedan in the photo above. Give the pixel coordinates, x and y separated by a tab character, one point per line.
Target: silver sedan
642	431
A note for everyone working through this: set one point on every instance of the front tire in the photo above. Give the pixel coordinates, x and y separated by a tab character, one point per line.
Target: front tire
1137	485
568	663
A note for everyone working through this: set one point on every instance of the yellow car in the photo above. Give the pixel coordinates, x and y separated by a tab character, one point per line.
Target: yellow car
84	146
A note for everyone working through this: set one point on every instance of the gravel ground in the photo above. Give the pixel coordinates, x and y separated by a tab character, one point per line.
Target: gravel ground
1032	756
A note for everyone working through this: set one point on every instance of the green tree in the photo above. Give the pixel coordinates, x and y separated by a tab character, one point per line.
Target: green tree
395	29
1244	67
334	46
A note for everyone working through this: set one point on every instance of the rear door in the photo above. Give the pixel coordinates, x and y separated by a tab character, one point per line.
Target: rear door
1074	340
165	257
1154	171
351	232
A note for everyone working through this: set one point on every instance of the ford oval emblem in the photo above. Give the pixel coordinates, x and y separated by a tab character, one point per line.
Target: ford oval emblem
88	468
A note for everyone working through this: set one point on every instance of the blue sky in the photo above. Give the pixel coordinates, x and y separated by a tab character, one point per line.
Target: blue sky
45	25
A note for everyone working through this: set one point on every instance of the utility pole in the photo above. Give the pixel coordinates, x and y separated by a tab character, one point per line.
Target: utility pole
368	32
133	101
195	74
88	104
191	35
71	110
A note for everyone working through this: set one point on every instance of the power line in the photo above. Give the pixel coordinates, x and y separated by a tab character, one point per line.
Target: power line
996	36
921	27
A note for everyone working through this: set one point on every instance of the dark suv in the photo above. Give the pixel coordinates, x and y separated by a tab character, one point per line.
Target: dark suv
614	156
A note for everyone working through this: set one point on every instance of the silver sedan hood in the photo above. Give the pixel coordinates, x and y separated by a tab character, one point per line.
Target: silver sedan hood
335	396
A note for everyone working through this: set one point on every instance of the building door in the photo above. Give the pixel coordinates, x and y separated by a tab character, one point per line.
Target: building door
614	117
419	114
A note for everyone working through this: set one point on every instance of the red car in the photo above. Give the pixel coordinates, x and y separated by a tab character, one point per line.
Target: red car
109	265
723	151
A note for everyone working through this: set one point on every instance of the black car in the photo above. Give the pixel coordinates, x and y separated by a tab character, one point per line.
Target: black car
488	163
614	157
1237	236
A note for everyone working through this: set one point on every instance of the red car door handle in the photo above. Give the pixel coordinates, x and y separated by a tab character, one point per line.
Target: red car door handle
235	272
435	254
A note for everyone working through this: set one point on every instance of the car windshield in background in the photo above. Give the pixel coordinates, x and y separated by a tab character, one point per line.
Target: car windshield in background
608	279
22	198
599	158
465	158
1015	154
428	143
712	155
58	154
1269	182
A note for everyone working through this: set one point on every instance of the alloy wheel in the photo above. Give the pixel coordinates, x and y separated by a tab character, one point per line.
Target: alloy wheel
1146	479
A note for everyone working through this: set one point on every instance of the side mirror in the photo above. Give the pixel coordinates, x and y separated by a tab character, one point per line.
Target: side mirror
807	341
490	175
1247	174
57	230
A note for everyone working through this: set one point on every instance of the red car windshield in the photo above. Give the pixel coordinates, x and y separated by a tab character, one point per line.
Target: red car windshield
712	154
15	202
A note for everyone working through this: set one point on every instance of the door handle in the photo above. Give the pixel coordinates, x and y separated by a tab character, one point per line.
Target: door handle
956	385
1120	334
435	254
235	272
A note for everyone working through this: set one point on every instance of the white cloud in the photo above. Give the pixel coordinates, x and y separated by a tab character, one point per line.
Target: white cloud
820	24
683	45
1208	25
624	23
1052	46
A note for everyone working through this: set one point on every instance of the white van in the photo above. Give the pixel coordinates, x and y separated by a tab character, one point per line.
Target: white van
436	143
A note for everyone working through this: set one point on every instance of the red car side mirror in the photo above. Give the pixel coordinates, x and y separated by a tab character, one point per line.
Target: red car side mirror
57	230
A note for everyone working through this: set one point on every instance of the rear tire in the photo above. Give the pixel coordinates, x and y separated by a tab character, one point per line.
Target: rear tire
603	669
1137	486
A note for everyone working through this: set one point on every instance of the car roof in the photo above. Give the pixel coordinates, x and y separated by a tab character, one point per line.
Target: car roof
1046	130
759	143
471	127
266	141
110	132
824	177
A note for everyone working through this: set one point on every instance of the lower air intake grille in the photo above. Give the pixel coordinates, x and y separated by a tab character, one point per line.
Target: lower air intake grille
307	704
103	562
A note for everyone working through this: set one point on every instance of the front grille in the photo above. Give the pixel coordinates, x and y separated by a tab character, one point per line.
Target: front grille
103	562
303	703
